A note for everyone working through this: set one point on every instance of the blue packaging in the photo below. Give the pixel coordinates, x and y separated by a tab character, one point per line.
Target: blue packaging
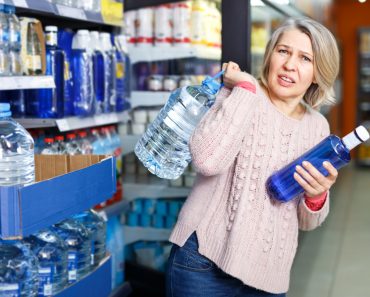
132	219
170	222
158	221
149	206
161	208
145	220
137	206
174	208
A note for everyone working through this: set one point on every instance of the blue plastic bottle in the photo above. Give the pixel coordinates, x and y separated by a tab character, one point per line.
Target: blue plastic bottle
282	185
121	80
98	73
164	148
51	101
83	96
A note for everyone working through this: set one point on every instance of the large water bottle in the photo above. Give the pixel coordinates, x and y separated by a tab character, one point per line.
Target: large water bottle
4	42
77	238
52	255
282	185
17	164
164	148
110	71
98	230
18	269
15	64
120	73
98	73
83	77
51	101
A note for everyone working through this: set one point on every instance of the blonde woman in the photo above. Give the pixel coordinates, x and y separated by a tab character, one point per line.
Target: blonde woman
231	238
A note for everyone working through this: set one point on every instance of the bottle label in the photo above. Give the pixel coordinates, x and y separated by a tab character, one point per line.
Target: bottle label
9	290
92	252
72	267
120	70
33	62
46	281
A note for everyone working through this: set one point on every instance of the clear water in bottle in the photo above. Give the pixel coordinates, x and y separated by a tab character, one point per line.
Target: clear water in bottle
164	148
98	230
17	163
15	65
18	269
49	147
4	42
52	255
78	241
72	145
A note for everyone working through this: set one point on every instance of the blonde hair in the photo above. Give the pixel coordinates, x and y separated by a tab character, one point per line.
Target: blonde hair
326	59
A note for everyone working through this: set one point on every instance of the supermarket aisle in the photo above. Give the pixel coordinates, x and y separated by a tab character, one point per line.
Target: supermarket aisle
333	261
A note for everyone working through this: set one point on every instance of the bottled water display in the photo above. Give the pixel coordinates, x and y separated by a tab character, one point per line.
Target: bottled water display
98	73
14	37
97	227
17	164
164	148
78	241
282	186
49	147
72	146
52	255
4	45
18	270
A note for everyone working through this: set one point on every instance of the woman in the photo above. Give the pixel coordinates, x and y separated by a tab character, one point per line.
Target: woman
231	238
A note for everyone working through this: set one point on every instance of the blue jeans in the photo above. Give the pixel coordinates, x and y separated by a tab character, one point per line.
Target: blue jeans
189	274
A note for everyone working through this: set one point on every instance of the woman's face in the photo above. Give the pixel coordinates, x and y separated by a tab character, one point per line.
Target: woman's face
291	66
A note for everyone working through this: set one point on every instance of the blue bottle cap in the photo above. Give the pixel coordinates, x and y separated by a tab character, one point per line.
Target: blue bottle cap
212	84
5	110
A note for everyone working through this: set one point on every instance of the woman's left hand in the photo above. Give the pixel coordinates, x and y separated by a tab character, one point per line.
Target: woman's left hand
312	181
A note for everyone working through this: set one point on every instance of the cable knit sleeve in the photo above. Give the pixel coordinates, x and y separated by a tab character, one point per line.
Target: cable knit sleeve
218	137
309	219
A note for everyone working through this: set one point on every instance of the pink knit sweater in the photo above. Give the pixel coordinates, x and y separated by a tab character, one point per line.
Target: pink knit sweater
239	143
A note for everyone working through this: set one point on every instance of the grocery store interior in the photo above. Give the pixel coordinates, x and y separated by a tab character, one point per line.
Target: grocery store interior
87	78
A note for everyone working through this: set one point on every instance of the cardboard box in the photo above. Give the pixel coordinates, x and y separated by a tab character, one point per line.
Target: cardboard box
69	185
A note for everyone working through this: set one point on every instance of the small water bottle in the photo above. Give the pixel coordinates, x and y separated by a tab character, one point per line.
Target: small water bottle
52	255
49	147
17	163
282	185
164	148
18	273
98	229
15	65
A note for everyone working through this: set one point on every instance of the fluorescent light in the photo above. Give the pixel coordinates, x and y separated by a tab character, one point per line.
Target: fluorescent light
362	1
257	3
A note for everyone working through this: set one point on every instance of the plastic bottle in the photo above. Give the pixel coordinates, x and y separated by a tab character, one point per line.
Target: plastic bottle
49	147
72	146
52	255
33	63
17	164
18	273
77	239
120	73
15	65
109	71
84	143
282	185
101	103
60	145
164	149
97	142
83	75
97	227
52	100
4	43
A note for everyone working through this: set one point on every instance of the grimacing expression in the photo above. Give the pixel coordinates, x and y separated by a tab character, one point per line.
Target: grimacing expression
291	70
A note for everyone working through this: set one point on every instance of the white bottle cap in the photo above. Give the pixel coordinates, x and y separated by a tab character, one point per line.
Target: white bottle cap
356	137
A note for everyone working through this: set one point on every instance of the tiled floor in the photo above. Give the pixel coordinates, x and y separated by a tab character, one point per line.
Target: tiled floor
334	260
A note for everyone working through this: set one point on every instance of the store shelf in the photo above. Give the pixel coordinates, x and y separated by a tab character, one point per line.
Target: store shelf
133	234
122	291
98	283
144	98
74	123
135	190
26	82
45	7
115	209
150	54
129	143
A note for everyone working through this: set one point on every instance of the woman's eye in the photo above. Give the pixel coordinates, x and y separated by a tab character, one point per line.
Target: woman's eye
282	51
307	59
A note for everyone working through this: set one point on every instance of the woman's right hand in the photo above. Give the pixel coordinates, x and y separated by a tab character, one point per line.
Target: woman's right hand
234	75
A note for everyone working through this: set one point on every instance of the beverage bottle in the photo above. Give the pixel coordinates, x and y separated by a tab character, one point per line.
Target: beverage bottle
78	241
97	142
14	27
34	52
109	71
163	148
122	102
97	227
84	143
83	75
101	103
52	255
17	164
49	147
18	273
283	187
72	146
60	145
4	43
51	101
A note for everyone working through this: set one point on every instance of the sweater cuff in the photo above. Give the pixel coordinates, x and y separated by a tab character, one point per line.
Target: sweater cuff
247	85
315	203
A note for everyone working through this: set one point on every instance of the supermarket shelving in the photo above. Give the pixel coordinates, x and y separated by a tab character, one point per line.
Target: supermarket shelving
147	98
26	82
133	234
128	143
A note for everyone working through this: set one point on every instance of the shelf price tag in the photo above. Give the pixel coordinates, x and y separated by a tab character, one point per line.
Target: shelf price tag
63	125
20	3
71	12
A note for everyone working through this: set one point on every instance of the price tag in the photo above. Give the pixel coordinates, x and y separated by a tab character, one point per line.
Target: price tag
71	12
63	125
20	3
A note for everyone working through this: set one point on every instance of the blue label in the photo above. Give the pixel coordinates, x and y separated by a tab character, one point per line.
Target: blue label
72	267
10	290
46	275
